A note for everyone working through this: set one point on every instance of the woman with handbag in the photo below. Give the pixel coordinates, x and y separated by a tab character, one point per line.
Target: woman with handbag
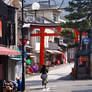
44	72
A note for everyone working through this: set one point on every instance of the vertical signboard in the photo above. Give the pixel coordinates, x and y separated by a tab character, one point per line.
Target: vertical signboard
0	28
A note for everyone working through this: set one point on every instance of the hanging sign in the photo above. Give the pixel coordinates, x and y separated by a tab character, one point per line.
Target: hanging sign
25	40
0	28
86	40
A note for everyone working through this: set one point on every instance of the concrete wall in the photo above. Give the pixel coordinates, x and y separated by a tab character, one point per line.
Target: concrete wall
11	70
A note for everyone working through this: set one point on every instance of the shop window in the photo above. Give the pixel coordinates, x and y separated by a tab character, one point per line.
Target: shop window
38	38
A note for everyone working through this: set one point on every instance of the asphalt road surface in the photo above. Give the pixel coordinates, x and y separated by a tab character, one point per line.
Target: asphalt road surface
59	80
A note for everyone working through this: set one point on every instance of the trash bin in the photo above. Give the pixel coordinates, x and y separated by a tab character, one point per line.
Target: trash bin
1	85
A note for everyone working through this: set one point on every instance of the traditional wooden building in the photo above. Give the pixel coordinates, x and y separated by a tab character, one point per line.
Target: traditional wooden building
7	38
7	23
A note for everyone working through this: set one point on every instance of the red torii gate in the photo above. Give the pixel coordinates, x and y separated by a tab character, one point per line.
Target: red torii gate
42	34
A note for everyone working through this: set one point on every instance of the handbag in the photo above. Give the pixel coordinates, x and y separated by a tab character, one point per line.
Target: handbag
43	76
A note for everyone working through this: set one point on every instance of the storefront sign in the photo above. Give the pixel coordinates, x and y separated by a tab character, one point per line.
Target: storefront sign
25	40
0	28
86	40
84	58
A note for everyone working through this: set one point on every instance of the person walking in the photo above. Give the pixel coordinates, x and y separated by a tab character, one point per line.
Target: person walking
44	72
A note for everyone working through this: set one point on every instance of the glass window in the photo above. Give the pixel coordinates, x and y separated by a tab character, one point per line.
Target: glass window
38	37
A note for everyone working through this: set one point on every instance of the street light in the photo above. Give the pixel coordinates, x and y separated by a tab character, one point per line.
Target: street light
22	31
35	7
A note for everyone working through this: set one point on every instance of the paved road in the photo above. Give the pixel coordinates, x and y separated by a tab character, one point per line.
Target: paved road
59	80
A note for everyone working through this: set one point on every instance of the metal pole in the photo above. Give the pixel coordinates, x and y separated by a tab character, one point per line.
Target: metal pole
35	15
22	31
90	33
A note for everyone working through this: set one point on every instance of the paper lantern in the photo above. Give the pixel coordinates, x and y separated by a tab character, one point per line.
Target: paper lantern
28	61
32	56
30	69
35	68
57	62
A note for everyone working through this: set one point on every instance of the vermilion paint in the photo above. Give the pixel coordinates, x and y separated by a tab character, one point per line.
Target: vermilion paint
42	34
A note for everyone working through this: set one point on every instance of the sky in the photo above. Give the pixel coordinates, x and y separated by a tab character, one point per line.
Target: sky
58	2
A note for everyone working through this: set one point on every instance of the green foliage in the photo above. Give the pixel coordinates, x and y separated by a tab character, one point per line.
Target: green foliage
79	16
70	45
68	34
81	25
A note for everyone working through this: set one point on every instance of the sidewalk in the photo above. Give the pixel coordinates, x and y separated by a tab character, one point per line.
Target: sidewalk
54	72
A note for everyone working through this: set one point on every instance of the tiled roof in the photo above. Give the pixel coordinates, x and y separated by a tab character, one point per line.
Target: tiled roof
7	1
54	46
39	21
42	6
44	25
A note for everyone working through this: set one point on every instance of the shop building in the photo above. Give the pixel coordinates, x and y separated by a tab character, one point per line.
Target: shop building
7	38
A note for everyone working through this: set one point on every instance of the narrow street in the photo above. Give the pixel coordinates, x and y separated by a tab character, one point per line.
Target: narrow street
59	80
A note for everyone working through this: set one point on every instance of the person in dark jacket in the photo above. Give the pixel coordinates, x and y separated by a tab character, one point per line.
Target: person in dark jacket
44	72
44	69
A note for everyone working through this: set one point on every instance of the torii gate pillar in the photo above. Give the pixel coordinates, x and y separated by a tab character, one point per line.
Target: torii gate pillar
42	46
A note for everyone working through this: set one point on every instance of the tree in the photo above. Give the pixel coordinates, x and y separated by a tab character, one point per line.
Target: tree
79	15
68	33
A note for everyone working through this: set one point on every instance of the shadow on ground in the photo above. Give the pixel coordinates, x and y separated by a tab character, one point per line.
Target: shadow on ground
66	78
38	82
33	82
89	90
37	88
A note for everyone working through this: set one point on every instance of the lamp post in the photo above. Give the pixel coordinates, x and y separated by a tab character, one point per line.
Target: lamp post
22	31
90	45
35	7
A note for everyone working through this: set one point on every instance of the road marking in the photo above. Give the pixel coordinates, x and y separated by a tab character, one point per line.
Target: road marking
46	89
50	89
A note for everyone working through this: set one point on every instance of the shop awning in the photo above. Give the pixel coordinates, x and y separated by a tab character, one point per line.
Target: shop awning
54	51
16	59
8	51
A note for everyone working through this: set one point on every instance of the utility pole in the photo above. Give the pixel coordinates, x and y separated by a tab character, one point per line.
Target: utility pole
22	31
90	35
